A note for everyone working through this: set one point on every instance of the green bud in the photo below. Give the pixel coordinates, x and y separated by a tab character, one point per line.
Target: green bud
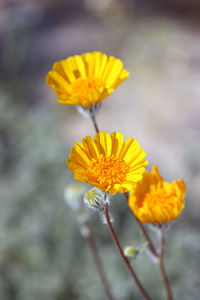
129	251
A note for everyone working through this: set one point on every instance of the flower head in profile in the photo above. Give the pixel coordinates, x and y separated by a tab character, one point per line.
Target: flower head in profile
107	162
86	79
154	200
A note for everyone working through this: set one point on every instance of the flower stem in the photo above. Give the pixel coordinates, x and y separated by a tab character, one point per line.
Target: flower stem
145	233
160	255
162	269
94	250
92	115
134	276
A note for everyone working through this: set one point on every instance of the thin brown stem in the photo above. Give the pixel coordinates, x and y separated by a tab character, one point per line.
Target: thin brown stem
92	115
134	276
145	233
162	269
94	250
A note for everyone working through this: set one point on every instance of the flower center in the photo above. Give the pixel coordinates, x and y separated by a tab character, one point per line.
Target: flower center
108	170
83	87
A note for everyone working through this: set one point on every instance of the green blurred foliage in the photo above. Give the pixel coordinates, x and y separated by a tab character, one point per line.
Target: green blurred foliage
42	254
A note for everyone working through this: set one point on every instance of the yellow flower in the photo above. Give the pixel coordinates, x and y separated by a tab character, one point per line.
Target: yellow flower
108	163
154	200
86	79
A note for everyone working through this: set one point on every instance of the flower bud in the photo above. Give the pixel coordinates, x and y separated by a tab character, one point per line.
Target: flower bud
96	199
129	251
73	195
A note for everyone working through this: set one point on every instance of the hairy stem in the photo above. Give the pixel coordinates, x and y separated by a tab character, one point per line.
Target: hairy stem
134	276
94	250
162	268
92	115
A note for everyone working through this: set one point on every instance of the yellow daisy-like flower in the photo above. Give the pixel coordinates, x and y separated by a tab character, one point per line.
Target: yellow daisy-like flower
107	162
154	200
86	79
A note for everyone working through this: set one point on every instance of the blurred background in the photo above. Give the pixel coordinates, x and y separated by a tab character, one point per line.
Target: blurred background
42	255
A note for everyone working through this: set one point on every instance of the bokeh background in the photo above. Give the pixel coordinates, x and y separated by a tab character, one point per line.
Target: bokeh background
42	255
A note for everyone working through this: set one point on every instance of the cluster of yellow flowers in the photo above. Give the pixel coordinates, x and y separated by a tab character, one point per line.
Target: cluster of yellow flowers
107	161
